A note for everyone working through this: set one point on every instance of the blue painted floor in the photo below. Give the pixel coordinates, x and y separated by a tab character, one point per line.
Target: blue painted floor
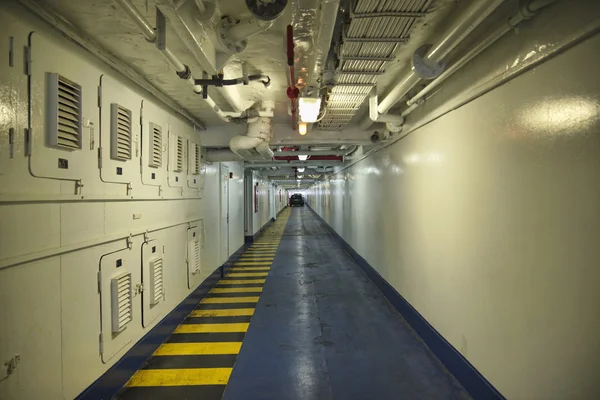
322	330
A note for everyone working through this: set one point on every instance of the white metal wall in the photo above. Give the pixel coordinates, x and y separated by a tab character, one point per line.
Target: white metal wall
68	227
486	220
263	213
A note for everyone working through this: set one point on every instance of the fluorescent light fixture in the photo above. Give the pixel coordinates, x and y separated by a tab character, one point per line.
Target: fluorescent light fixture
302	128
302	157
300	176
309	108
301	169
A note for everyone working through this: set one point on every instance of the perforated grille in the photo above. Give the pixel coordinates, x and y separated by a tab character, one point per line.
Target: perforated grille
156	281
196	255
179	155
120	132
121	302
155	145
196	158
65	111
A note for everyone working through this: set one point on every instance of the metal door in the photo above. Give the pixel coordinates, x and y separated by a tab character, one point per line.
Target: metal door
224	241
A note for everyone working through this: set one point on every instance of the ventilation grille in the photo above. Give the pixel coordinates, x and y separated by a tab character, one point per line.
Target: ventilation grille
156	281
196	259
64	113
155	145
120	130
179	163
196	159
194	254
121	302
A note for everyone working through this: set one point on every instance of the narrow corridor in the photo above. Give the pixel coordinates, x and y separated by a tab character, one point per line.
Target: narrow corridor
320	330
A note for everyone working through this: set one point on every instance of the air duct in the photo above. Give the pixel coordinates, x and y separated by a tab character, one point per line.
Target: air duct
256	141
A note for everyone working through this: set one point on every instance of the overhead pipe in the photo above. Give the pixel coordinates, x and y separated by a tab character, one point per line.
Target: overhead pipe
255	141
305	164
312	158
311	153
432	57
219	81
183	71
527	11
292	90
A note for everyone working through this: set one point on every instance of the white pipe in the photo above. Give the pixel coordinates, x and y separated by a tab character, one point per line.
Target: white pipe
225	116
150	35
470	18
376	116
139	20
515	20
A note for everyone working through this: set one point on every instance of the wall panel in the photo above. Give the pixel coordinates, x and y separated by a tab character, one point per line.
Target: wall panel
486	221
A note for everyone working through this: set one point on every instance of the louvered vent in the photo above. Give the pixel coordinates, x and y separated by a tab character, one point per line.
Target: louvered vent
196	159
120	131
156	281
196	256
179	164
121	302
155	145
64	112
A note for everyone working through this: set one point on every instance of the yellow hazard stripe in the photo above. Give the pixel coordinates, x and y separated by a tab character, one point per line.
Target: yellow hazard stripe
189	349
246	274
180	377
239	281
208	328
258	263
237	290
250	268
227	300
232	312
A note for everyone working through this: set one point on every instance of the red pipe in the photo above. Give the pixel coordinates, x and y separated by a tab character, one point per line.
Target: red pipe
292	90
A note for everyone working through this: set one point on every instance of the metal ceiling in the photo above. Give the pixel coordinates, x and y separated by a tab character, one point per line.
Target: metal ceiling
370	40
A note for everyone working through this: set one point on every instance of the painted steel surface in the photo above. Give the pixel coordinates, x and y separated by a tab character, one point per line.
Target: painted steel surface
322	330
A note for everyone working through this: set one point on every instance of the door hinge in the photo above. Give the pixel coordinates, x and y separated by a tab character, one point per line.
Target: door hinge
130	241
139	288
101	340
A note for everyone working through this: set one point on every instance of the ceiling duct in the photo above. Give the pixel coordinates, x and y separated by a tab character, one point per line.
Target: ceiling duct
255	144
369	41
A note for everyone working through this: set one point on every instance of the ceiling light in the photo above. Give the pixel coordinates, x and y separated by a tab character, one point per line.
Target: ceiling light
309	108
300	176
302	128
301	169
302	157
